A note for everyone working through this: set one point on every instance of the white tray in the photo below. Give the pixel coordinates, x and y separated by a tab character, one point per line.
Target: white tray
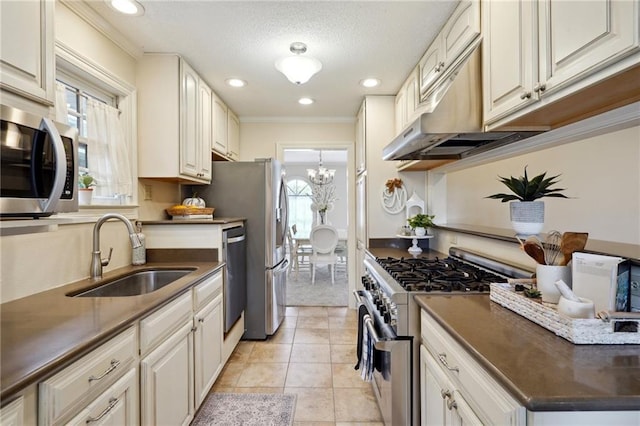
578	331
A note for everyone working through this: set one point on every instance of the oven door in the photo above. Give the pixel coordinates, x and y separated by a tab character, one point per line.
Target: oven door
392	377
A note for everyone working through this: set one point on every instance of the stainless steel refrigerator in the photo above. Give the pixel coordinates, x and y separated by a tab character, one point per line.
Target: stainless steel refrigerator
255	190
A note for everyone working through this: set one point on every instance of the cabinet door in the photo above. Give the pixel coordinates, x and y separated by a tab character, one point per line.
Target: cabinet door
462	28
166	381
26	49
431	64
460	412
435	390
189	132
361	209
117	406
12	414
219	126
578	38
411	97
510	58
361	159
233	135
208	347
399	111
206	133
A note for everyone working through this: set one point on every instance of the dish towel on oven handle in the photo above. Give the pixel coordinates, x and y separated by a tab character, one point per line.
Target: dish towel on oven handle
365	349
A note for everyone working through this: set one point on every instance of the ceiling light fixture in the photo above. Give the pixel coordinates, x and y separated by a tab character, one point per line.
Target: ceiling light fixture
128	7
297	68
305	101
370	82
236	82
321	175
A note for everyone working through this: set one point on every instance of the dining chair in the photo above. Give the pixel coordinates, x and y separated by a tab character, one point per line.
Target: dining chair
324	239
298	253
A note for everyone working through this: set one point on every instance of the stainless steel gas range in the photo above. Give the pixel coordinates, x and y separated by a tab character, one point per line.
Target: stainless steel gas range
392	317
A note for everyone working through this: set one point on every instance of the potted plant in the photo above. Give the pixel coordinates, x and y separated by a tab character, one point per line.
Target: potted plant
420	222
86	182
527	213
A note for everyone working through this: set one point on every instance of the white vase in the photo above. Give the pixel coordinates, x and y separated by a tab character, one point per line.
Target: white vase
527	217
420	231
85	196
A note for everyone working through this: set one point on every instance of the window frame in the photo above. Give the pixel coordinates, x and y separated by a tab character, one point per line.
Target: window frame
294	196
95	78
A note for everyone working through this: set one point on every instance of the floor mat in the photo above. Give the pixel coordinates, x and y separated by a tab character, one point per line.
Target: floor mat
246	409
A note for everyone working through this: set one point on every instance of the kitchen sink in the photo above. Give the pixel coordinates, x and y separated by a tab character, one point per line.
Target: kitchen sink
136	283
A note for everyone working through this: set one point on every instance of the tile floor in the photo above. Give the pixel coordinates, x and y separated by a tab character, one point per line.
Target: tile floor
311	355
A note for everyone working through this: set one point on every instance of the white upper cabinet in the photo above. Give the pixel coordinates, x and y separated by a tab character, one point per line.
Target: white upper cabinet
174	120
220	126
233	135
457	35
537	52
361	158
407	102
26	49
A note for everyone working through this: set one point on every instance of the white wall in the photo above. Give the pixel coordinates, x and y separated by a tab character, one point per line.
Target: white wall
600	174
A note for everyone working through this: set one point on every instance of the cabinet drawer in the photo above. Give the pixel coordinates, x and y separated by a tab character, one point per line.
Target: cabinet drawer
489	400
118	405
96	370
207	290
155	327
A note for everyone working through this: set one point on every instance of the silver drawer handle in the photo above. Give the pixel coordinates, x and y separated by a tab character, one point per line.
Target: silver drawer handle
443	359
112	403
114	364
446	393
451	404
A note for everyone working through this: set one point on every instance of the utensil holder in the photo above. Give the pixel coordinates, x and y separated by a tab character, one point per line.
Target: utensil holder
546	276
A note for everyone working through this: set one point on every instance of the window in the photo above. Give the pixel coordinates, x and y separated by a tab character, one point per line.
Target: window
300	213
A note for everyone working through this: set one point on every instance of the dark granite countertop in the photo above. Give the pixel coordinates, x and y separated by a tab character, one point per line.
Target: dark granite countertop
44	332
541	370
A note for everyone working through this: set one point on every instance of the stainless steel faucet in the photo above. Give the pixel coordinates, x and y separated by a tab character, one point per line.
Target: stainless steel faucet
96	261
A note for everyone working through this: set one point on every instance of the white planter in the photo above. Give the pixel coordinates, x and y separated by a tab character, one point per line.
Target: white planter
420	231
527	217
85	196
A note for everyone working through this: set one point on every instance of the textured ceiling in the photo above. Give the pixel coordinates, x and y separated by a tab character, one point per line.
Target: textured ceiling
243	39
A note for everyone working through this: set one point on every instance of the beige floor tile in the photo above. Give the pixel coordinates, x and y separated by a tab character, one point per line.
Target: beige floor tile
242	351
312	311
230	374
313	404
342	311
268	375
308	375
343	335
309	352
291	311
359	424
313	424
344	354
343	322
356	405
222	389
283	335
289	322
313	322
311	335
344	376
270	352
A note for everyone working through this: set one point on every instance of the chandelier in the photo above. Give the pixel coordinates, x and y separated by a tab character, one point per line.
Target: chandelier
321	175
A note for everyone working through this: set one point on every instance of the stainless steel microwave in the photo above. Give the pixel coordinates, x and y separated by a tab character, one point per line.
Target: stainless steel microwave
39	167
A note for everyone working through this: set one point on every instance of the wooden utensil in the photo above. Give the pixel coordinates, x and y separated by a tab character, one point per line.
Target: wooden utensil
572	242
534	249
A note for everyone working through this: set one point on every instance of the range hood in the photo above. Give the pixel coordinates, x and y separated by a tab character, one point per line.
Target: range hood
453	128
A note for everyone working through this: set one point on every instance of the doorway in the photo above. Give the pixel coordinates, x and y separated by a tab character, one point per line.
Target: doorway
317	200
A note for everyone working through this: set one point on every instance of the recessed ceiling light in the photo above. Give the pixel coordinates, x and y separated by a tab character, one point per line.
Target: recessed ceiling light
236	82
305	101
128	7
370	82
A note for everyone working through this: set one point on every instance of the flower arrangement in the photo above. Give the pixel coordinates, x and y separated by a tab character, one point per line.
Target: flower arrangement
323	196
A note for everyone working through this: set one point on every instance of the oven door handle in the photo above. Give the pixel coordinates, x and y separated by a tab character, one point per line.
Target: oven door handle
356	295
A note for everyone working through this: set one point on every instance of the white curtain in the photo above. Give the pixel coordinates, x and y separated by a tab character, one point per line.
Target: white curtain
107	151
61	104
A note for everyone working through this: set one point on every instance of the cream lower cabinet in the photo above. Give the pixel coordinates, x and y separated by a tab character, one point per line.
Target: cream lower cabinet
118	405
166	377
208	347
12	414
442	405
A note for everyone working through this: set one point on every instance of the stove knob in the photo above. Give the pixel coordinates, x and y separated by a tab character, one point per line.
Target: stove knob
387	317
